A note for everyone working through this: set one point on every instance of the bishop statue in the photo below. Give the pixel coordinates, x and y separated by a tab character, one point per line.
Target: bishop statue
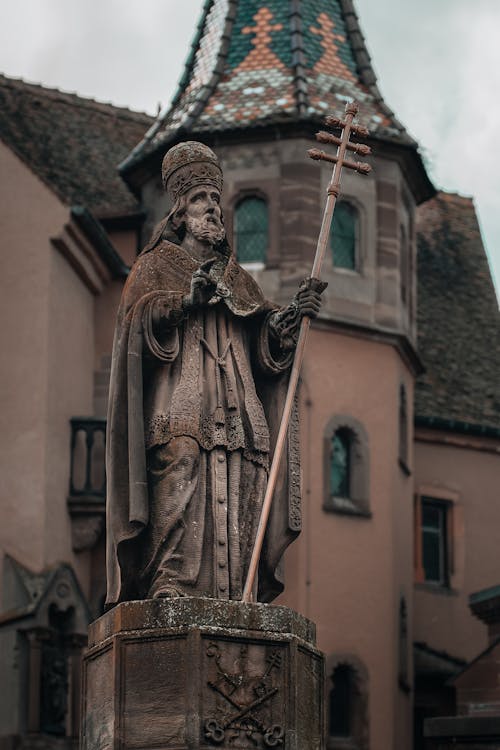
198	378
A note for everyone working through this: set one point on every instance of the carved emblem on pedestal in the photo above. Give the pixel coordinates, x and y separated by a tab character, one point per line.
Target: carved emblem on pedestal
247	688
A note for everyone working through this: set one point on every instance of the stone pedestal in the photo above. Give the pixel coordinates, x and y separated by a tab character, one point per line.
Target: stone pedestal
202	673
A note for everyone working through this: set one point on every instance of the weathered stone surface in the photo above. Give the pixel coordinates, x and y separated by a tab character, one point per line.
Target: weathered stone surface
197	392
202	673
190	611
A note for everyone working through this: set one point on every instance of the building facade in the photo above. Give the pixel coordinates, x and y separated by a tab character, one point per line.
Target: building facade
399	395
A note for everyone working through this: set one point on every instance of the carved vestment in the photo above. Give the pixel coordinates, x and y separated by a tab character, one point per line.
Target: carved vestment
194	407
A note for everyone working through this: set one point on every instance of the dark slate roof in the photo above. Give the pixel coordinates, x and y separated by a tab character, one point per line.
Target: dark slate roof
267	62
429	662
73	144
458	317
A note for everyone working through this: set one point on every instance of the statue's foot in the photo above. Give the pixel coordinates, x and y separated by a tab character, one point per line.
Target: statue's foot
167	592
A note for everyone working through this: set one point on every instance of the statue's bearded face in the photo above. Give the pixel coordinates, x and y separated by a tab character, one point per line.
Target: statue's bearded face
202	214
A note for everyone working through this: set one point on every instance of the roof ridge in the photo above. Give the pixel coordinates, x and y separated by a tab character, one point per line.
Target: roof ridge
218	68
298	56
191	57
75	98
454	194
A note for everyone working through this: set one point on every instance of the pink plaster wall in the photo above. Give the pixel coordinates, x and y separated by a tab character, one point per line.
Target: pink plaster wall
70	394
46	338
29	215
346	573
469	478
125	243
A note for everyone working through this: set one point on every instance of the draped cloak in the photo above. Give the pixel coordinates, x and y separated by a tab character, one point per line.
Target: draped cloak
157	393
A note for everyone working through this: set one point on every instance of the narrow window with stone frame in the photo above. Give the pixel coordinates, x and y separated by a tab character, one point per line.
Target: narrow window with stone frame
346	467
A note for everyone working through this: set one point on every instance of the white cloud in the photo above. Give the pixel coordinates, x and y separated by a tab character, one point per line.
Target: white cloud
440	73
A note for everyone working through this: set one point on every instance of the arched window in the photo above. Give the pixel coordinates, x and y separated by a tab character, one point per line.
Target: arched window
347	703
340	464
251	229
344	235
346	468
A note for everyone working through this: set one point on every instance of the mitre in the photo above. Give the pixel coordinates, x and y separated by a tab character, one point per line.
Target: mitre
188	164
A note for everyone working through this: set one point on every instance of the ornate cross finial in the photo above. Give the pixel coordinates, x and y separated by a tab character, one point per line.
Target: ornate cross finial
343	144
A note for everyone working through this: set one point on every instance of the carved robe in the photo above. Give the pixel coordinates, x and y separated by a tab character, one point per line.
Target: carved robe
194	407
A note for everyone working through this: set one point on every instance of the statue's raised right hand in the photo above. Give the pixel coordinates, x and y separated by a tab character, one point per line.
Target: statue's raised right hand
202	286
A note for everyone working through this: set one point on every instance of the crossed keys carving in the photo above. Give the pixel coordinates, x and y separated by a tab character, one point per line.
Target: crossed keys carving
244	694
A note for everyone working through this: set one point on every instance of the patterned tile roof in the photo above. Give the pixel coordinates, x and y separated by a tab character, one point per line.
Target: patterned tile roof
458	317
73	144
261	62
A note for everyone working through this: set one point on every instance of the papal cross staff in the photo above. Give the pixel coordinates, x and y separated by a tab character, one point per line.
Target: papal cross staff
343	144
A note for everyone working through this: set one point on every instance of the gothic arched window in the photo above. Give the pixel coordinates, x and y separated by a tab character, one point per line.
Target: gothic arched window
344	236
251	230
346	468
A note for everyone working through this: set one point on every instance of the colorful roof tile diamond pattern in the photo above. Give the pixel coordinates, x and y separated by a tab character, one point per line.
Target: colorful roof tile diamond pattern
261	62
257	81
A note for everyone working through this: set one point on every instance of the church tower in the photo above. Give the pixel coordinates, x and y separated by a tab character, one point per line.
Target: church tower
259	80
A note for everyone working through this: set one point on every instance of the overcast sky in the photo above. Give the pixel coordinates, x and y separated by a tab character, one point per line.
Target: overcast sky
438	64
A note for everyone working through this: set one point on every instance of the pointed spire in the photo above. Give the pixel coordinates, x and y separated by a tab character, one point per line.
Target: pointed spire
270	62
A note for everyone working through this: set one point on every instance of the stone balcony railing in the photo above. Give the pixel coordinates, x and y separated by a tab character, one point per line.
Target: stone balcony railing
87	484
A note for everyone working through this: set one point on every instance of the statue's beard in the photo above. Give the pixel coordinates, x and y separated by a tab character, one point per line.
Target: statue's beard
208	229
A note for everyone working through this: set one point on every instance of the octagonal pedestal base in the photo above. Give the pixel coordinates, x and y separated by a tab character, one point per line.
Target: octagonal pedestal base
202	673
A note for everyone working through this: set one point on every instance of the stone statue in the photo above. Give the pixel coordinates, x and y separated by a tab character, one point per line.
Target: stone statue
199	372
